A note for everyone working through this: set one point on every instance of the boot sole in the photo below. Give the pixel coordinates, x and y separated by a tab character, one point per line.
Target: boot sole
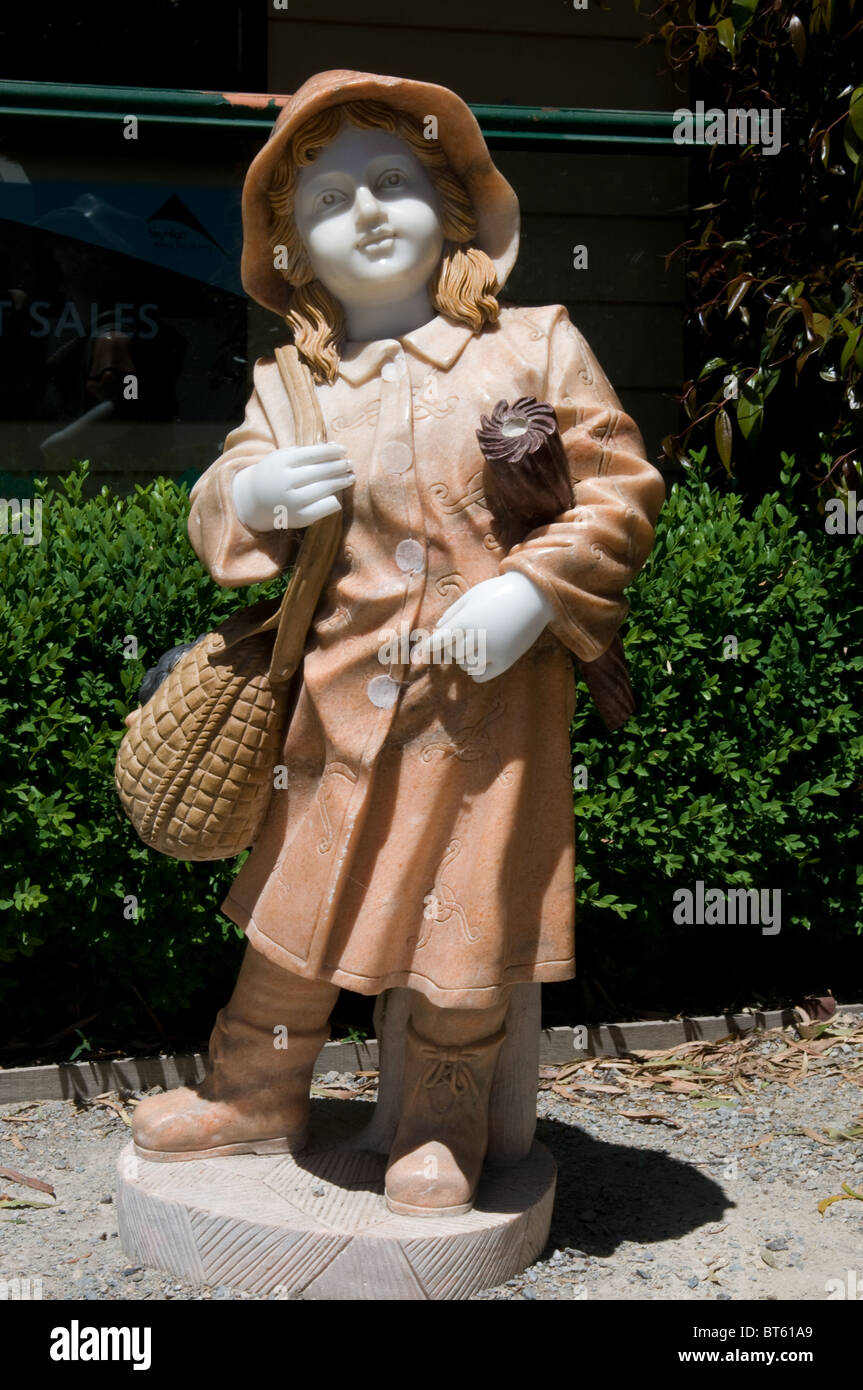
250	1146
405	1209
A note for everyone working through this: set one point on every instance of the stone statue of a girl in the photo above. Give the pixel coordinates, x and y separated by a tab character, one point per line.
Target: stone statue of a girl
425	835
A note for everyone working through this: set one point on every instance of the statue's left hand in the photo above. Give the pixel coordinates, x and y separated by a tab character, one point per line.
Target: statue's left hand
488	628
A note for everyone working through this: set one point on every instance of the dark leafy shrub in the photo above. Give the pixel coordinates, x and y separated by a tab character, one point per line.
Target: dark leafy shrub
108	573
744	764
773	259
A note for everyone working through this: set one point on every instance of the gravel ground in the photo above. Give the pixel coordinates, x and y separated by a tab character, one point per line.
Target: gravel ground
704	1204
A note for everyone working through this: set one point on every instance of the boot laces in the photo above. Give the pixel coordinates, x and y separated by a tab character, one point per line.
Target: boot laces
449	1068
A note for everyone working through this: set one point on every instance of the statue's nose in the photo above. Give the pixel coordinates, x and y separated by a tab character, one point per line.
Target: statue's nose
367	207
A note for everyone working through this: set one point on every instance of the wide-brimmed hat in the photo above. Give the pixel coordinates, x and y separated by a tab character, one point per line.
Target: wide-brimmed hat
494	201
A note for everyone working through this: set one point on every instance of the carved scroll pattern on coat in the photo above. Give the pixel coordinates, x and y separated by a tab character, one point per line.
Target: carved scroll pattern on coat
585	371
448	582
367	416
323	797
469	743
441	904
536	330
427	402
474	495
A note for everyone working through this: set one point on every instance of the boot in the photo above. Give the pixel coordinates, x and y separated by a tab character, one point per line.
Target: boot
438	1152
255	1096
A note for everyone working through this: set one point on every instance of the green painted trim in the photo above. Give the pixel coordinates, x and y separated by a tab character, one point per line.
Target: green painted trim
513	126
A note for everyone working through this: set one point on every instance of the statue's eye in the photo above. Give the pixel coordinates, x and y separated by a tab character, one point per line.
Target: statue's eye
393	178
330	199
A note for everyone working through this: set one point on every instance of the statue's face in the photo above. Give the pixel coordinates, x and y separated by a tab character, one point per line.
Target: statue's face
369	217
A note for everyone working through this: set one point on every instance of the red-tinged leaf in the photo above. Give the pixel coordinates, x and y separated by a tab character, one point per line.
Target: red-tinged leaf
805	355
797	35
855	111
825	149
813	1134
567	1093
14	1176
724	435
647	1115
737	289
806	310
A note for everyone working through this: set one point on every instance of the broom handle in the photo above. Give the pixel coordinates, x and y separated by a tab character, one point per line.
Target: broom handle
320	541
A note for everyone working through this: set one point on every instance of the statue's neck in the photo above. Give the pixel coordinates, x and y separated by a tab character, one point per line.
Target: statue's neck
367	322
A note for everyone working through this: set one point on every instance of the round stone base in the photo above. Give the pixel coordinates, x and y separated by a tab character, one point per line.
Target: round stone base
315	1224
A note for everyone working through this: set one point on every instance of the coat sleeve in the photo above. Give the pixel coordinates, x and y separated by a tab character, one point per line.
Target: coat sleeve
584	558
234	554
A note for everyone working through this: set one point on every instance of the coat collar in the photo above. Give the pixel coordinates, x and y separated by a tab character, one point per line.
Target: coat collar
441	342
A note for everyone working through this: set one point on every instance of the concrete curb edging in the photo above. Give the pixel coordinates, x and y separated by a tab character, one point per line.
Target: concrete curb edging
84	1080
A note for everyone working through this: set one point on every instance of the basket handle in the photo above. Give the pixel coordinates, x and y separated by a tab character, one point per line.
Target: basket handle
320	541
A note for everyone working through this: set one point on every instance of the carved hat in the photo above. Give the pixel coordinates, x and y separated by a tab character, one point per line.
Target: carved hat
494	201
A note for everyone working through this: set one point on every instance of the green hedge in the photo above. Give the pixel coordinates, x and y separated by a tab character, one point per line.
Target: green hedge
740	771
107	569
735	771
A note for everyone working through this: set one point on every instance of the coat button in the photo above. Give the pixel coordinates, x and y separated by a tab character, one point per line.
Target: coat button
383	691
410	556
397	456
395	370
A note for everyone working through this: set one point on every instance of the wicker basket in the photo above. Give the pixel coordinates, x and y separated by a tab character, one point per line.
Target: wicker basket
195	770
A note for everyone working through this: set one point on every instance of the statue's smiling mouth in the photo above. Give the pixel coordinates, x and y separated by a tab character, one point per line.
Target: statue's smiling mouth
380	237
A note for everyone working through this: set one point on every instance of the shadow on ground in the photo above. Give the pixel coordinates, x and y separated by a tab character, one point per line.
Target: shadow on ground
610	1193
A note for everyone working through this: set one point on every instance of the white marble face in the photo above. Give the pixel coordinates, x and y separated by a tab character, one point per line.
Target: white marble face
369	217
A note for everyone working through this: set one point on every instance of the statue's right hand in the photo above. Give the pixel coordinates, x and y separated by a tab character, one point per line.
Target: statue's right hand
292	487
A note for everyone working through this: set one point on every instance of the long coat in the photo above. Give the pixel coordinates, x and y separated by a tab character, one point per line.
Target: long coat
425	836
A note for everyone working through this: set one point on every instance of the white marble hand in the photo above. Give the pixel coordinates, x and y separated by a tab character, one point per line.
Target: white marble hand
490	627
303	481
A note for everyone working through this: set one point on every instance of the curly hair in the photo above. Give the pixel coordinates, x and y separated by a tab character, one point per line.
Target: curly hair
464	285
